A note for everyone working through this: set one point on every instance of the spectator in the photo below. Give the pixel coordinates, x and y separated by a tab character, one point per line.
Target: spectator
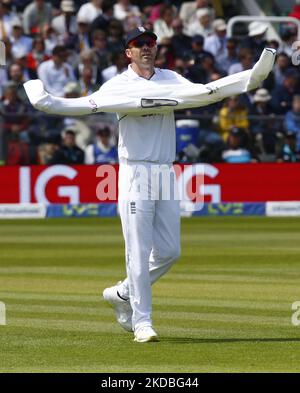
163	26
131	22
273	44
50	38
89	59
233	114
21	60
165	55
19	152
9	59
152	11
36	56
115	36
102	20
72	90
216	43
246	62
119	65
3	80
101	49
197	48
36	16
19	41
264	127
229	57
289	151
237	152
203	69
124	8
181	43
77	124
46	153
68	153
181	65
82	41
256	38
90	10
283	94
16	75
288	35
65	24
103	150
282	65
203	24
292	119
86	81
6	18
56	73
189	9
15	113
296	10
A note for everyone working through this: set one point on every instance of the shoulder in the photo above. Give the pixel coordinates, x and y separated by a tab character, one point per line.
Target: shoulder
114	82
165	74
210	38
85	7
123	77
57	18
29	8
224	110
46	63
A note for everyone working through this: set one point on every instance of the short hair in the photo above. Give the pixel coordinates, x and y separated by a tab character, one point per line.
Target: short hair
70	132
233	40
107	5
58	50
244	52
98	34
88	53
164	8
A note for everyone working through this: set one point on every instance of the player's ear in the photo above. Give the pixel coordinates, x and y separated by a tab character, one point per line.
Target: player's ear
128	53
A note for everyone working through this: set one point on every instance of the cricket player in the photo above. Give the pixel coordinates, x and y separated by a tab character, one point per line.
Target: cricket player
144	98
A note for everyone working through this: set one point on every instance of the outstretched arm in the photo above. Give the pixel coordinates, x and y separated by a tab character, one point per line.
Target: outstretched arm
201	95
159	98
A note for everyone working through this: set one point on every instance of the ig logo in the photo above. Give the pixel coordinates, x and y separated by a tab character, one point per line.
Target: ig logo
296	315
2	314
2	54
296	53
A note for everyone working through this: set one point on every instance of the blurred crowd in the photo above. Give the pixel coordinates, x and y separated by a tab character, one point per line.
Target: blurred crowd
75	47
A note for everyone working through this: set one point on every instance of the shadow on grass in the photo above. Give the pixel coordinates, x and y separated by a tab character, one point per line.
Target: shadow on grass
191	340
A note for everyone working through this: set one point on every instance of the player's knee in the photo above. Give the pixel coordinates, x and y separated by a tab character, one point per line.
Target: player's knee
174	253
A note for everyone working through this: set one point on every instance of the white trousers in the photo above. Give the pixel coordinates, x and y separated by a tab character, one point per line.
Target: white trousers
151	229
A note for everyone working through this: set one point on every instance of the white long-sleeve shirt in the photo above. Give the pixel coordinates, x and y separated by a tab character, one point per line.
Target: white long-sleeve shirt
145	108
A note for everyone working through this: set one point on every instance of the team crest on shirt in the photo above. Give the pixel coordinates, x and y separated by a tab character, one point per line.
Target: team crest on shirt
212	90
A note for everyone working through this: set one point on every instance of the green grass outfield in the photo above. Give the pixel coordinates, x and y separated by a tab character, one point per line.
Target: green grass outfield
225	306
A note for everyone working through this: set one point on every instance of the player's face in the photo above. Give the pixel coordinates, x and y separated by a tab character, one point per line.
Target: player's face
142	51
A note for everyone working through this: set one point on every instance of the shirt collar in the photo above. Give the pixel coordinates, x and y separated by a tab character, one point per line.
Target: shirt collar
133	75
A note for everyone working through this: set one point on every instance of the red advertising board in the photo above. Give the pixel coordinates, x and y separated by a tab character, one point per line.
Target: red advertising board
80	184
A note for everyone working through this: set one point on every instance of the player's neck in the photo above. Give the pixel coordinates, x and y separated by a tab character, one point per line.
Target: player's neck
145	72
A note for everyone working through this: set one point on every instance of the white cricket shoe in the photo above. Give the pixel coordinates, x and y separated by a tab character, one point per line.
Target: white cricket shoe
122	307
145	334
